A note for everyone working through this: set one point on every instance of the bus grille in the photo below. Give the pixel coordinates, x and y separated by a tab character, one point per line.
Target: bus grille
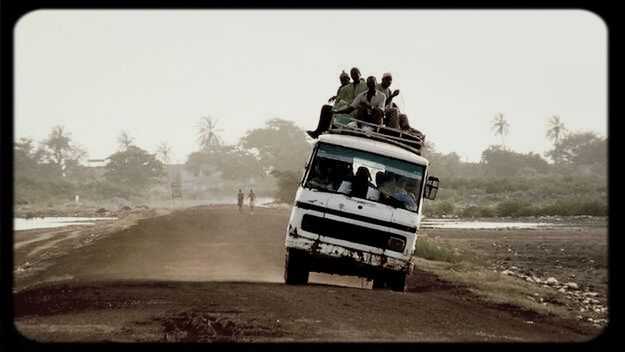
352	233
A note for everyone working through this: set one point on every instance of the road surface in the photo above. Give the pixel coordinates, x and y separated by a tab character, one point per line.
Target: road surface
209	273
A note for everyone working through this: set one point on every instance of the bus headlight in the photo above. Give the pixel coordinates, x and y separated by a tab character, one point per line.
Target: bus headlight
396	244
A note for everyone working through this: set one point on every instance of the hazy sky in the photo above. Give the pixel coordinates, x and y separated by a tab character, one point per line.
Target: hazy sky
156	73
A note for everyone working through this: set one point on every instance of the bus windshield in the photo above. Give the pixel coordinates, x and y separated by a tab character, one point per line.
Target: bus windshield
365	175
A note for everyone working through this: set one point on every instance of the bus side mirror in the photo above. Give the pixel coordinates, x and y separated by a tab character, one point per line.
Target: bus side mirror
431	188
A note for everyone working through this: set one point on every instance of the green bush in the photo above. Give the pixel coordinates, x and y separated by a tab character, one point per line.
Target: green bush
593	207
570	207
471	211
445	208
498	186
435	250
550	187
487	212
288	182
474	211
510	207
528	211
31	191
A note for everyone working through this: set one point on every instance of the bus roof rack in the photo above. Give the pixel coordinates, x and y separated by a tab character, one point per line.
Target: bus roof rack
404	139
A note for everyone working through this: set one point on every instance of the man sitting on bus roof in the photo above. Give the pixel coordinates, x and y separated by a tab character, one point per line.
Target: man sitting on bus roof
349	92
344	79
391	112
343	99
369	104
393	118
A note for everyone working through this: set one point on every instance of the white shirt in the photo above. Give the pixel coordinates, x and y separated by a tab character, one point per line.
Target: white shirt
377	100
387	92
372	193
345	187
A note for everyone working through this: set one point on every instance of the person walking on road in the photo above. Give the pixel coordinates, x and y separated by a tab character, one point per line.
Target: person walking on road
252	197
240	198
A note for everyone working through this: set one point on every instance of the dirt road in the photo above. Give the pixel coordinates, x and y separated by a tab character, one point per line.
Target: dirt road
212	274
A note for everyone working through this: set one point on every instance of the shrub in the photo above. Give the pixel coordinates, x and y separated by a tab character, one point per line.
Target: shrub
510	207
527	211
445	208
471	211
434	250
593	207
499	186
487	212
287	185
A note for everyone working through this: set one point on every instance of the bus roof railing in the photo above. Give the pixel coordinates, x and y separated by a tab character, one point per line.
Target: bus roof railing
405	139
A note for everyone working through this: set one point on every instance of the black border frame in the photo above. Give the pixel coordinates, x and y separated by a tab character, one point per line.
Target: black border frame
12	10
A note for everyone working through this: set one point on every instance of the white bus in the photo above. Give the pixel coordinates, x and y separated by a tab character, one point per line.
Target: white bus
358	206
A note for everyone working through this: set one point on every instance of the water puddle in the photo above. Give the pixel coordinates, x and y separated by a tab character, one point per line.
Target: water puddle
468	224
51	222
531	223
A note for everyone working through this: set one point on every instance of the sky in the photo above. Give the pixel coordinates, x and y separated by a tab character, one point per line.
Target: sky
155	73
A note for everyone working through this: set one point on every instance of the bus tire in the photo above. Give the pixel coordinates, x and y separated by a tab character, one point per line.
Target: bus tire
295	268
378	282
397	282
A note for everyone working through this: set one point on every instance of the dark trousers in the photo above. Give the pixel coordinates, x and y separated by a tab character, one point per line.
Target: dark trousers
374	116
325	119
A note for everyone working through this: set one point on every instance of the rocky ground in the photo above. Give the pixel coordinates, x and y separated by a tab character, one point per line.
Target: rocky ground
569	260
70	209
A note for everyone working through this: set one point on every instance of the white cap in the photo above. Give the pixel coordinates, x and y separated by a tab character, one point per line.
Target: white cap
387	75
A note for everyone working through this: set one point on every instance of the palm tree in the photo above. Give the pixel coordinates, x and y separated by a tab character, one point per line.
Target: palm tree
163	151
207	134
555	131
124	140
500	126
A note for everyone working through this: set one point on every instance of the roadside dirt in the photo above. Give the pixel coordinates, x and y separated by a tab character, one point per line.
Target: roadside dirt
573	254
212	274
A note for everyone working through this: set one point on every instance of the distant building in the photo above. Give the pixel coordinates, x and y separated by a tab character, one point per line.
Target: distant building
174	172
97	162
96	167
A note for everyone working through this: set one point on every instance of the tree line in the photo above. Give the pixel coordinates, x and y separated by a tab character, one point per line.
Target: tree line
568	179
572	153
56	166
